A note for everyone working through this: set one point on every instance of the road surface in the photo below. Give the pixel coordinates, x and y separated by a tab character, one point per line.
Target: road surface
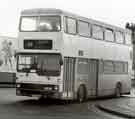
18	107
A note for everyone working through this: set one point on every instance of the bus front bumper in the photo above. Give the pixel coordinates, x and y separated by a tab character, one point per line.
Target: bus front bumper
37	90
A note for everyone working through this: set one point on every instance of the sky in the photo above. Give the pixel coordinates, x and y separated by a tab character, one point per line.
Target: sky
114	12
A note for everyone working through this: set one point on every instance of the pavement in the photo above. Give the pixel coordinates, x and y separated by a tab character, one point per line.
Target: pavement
124	107
6	85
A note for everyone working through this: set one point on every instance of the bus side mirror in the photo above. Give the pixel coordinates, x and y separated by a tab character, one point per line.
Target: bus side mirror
61	62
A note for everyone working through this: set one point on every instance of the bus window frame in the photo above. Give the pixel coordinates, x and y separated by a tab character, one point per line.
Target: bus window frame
123	35
38	17
91	31
66	25
90	28
113	31
128	44
102	30
29	53
114	68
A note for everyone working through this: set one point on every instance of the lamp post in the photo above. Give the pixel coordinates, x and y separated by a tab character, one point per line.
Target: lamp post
131	27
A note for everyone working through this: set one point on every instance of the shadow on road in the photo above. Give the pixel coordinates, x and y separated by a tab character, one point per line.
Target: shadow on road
42	102
57	102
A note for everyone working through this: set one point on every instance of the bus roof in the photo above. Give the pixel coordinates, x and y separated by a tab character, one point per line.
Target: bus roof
42	11
37	51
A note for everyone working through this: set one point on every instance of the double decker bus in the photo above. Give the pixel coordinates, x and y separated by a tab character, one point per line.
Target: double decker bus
65	56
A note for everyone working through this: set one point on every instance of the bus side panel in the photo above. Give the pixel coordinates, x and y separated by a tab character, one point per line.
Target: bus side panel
107	82
69	78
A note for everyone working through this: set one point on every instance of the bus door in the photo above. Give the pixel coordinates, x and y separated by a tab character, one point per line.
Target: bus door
87	75
93	78
69	77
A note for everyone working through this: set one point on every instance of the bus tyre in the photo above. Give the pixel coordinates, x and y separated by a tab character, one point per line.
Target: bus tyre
81	95
118	90
41	98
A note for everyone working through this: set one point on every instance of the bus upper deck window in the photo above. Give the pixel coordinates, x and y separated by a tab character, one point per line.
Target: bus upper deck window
41	24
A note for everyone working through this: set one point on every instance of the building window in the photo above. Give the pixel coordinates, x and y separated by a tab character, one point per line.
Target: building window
83	28
97	32
109	36
119	37
70	25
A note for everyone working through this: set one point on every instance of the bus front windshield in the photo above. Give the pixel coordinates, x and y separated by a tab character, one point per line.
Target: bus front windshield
43	64
40	23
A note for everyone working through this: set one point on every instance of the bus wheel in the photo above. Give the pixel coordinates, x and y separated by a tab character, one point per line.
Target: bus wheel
81	95
118	90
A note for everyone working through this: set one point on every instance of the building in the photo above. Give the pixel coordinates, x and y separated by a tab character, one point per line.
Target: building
8	46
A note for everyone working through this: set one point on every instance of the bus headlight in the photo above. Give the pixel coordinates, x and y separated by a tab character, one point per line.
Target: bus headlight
55	87
51	88
18	85
47	88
